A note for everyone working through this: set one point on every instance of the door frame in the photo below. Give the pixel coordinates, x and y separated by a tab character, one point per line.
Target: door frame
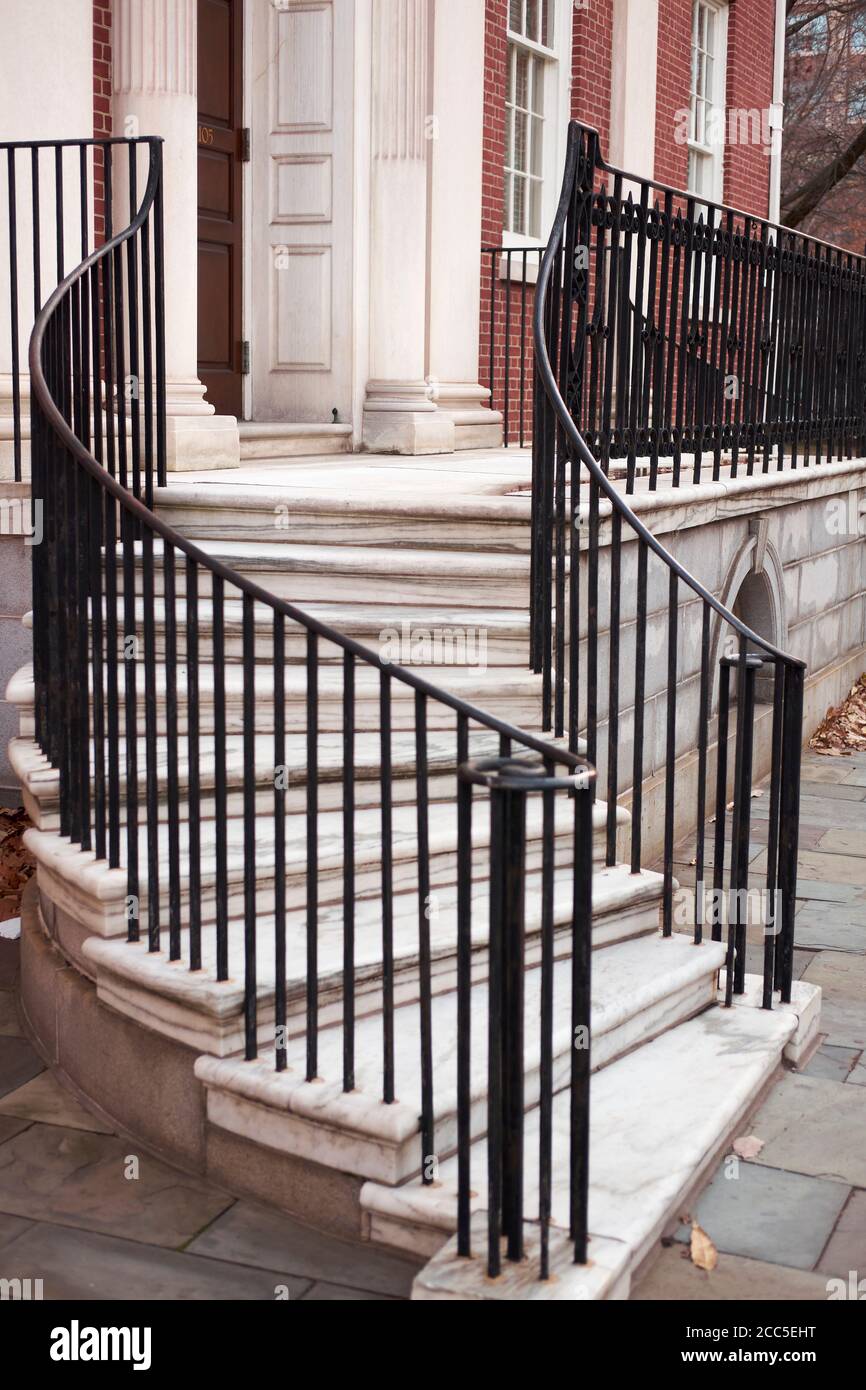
246	194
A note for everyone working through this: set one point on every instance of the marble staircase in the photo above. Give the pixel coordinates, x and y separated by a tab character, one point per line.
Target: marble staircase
675	1073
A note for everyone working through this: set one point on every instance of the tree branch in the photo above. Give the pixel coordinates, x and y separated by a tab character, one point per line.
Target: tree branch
799	204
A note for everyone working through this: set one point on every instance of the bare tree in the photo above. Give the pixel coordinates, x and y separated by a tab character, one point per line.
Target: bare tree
824	148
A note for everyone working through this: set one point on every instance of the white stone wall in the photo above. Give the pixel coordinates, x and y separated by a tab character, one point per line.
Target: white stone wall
808	528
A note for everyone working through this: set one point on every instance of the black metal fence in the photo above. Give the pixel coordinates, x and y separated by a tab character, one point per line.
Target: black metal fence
173	693
582	521
700	337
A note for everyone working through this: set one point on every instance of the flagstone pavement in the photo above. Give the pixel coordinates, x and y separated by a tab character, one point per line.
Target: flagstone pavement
76	1213
793	1219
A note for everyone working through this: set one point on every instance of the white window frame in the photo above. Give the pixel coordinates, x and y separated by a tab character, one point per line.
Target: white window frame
556	115
712	152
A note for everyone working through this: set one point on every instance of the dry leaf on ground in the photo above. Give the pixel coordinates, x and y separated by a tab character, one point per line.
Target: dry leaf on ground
16	862
704	1253
843	730
749	1146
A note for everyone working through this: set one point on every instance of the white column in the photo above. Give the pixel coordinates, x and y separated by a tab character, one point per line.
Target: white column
399	414
633	85
456	155
154	87
46	93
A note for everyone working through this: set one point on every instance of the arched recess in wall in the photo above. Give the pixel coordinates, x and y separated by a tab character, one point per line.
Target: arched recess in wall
754	590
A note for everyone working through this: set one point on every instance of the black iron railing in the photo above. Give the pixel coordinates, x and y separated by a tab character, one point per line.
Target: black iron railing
588	544
702	338
173	760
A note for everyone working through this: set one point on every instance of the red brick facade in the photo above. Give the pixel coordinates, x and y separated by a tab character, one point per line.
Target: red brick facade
751	39
673	77
101	102
749	93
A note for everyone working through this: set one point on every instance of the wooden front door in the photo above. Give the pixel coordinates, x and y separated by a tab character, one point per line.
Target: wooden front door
220	155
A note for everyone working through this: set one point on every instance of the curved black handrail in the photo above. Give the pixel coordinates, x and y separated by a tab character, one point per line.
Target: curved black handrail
98	321
575	438
158	527
560	453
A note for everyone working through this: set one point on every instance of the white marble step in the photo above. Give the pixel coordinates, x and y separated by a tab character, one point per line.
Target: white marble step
659	1116
40	781
435	638
106	914
359	574
206	1014
514	692
264	511
640	988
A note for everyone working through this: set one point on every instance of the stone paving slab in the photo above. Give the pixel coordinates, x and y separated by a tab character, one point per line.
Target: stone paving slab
767	1214
830	927
846	1249
10	1126
337	1293
9	1025
827	891
839	791
45	1100
19	1063
74	1178
833	1063
858	1076
839	974
673	1277
8	962
813	1126
249	1234
77	1264
843	842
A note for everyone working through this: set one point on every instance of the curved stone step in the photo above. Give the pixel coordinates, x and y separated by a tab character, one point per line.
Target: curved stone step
640	988
100	893
660	1114
439	638
515	692
207	1014
363	574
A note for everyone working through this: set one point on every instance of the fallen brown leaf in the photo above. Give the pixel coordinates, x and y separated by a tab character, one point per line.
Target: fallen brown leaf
704	1253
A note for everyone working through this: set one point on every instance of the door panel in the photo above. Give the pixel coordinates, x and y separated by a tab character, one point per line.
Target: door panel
302	103
220	271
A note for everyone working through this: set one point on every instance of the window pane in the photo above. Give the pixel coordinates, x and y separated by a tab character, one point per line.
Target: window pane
519	205
509	214
538	67
547	23
532	20
535	208
536	151
521	85
509	138
515	16
519	160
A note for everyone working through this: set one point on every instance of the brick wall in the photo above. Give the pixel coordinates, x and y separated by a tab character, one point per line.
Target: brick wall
101	103
672	89
592	46
751	36
751	29
592	32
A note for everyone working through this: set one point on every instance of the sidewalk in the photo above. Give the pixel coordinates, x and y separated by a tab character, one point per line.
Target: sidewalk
794	1217
93	1218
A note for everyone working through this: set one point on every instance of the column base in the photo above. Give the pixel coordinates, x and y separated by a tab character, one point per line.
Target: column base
199	442
476	426
196	439
400	418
